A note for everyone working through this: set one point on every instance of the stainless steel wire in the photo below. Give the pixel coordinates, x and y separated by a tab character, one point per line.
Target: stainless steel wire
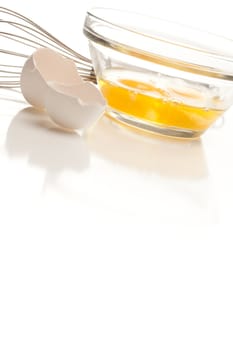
19	37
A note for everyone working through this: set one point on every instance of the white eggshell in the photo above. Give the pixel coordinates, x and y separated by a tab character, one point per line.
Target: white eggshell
74	106
43	66
33	86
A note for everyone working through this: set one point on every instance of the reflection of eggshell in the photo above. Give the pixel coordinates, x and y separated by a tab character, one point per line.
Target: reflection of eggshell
74	106
43	66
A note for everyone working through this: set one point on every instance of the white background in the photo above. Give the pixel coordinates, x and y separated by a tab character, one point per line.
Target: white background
118	241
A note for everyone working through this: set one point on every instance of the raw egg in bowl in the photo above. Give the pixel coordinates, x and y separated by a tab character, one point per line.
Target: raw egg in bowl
158	75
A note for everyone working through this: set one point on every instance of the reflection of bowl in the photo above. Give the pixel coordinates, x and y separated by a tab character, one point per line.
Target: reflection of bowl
158	75
181	160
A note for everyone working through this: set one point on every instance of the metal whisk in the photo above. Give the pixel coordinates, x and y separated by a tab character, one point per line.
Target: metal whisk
19	37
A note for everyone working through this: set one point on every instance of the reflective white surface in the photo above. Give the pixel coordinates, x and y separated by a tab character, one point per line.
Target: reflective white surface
113	240
155	179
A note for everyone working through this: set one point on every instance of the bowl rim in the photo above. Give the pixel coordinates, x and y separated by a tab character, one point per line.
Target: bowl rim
94	13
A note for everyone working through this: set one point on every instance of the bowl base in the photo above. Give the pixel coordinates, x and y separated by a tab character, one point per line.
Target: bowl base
152	127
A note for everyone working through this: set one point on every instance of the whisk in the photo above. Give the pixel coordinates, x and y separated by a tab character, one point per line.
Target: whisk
25	36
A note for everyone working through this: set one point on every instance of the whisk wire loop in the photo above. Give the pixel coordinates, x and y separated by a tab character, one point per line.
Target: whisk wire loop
28	36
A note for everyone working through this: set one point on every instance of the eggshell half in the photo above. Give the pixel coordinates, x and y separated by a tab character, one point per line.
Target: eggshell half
43	66
74	106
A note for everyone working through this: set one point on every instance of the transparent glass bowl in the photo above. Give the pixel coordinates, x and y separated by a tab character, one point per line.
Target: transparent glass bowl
158	75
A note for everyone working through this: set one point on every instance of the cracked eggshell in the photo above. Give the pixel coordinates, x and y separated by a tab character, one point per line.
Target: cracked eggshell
75	106
43	66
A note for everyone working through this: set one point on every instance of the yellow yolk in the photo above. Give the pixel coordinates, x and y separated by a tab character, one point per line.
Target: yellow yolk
151	104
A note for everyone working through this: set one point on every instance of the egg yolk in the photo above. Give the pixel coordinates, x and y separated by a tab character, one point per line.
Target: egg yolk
152	104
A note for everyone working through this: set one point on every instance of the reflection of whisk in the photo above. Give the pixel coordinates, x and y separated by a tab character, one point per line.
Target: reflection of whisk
27	36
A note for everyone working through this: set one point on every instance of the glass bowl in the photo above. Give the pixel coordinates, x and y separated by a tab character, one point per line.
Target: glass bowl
157	75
